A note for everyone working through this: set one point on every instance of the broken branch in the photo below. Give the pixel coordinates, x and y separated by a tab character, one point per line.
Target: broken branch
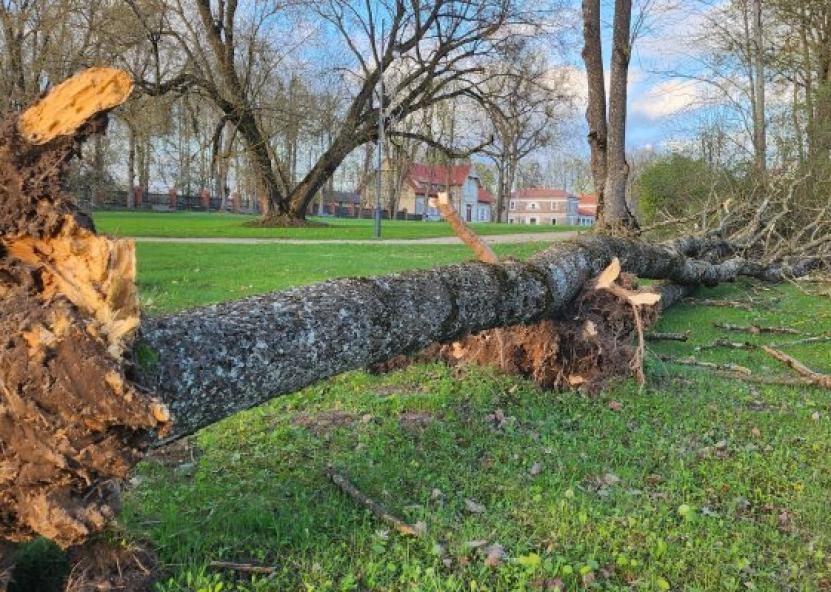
483	251
370	504
809	376
755	329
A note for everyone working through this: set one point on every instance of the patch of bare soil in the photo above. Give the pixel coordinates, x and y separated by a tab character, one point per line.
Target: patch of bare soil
102	565
176	453
415	420
324	422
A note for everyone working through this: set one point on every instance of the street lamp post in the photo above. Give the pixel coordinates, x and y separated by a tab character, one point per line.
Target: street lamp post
380	139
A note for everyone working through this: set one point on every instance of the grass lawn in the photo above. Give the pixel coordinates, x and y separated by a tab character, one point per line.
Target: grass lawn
176	276
695	483
196	224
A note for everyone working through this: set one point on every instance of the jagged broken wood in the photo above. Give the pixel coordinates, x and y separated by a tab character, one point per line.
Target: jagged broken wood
75	415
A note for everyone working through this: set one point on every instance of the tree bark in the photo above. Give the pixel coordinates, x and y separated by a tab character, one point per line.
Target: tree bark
615	213
596	109
759	123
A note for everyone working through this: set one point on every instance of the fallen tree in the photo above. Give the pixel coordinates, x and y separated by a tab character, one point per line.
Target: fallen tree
84	392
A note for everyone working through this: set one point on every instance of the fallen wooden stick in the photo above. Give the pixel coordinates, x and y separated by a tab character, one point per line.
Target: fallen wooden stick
755	329
370	504
814	339
720	303
690	361
809	376
244	567
668	336
726	343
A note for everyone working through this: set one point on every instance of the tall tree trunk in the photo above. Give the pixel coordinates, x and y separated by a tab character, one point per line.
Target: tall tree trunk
759	123
615	213
596	109
304	192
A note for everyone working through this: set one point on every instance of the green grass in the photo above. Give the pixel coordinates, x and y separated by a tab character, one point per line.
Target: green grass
722	485
196	224
176	276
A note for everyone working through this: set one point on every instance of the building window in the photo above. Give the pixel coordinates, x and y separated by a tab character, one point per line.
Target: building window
532	205
553	220
513	205
532	221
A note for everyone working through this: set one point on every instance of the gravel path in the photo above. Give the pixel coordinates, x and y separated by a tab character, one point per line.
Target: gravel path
444	240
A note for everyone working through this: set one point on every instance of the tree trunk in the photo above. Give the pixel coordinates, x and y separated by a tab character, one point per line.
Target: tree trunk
596	110
614	214
304	192
759	131
74	418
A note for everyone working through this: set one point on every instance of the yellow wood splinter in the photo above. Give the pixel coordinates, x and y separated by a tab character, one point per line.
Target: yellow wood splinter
73	102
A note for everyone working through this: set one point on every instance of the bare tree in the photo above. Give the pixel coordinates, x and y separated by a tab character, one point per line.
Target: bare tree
523	110
429	52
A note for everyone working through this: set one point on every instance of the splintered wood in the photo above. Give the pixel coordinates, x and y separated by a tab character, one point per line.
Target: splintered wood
72	103
483	252
70	419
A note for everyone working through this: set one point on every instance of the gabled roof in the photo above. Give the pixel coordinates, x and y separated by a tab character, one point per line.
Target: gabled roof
484	196
588	199
541	193
424	176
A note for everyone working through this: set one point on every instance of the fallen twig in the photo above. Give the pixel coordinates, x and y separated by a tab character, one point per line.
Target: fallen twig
726	343
755	329
809	376
668	336
690	361
370	504
720	303
244	567
814	339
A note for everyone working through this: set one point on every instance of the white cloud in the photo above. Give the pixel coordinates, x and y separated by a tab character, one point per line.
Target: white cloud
667	98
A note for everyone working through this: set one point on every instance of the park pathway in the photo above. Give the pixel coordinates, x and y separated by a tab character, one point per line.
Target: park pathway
443	240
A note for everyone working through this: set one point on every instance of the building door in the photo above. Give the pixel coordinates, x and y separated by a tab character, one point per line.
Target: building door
469	213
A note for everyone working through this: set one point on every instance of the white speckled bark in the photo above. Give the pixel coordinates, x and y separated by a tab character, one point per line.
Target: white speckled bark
215	361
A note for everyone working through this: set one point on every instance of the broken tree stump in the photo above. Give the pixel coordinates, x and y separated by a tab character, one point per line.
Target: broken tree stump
70	420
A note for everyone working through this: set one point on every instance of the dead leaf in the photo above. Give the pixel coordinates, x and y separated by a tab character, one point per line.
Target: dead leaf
608	276
615	405
535	470
756	432
494	555
474	507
